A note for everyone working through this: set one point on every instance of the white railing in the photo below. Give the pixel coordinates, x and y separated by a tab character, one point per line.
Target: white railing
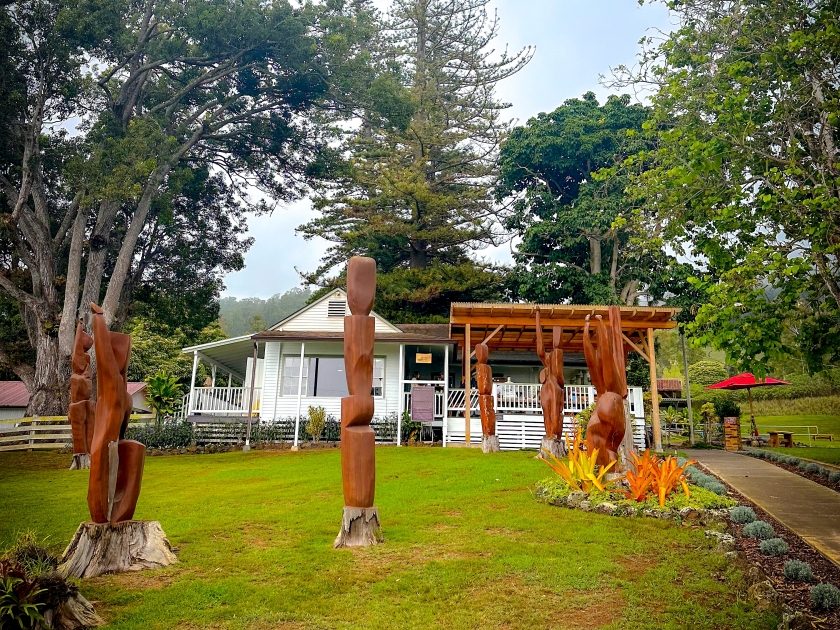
517	397
223	401
438	402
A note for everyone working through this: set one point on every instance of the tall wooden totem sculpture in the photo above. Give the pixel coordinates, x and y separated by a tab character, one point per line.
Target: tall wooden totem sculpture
112	542
360	522
607	363
484	380
82	409
552	391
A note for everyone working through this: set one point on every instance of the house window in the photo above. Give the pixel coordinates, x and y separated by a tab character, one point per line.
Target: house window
336	308
291	376
325	376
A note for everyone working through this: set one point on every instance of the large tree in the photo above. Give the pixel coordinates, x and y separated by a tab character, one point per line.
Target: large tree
413	189
746	171
582	240
163	95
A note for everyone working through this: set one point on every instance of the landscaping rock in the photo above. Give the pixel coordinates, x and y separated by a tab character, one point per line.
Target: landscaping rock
586	506
764	596
731	556
629	510
795	621
690	515
606	508
652	513
576	498
726	542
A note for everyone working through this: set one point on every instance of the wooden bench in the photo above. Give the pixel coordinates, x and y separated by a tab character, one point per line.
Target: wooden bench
786	438
824	436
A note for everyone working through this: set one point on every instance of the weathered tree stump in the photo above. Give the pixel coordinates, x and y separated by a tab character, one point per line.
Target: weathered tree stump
359	528
81	461
552	445
490	444
74	613
97	549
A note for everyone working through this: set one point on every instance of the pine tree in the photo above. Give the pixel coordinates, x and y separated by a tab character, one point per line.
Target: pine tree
414	187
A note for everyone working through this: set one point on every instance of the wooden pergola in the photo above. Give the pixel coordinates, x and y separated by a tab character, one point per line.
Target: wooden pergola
512	327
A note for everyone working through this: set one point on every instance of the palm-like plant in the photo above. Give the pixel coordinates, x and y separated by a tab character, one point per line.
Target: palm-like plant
668	476
640	480
582	470
163	392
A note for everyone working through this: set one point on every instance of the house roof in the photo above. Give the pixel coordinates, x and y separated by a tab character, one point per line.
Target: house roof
15	394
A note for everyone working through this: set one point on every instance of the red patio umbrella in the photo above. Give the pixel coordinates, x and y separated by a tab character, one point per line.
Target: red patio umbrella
747	381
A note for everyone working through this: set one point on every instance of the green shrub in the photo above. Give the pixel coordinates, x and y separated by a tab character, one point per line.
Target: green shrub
812	468
727	408
163	393
701	498
774	547
163	434
824	472
793	461
30	555
834	477
317	422
18	598
742	515
707	372
798	571
825	596
760	530
802	465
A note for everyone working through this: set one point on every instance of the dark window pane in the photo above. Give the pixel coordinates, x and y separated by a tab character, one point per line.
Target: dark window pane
330	378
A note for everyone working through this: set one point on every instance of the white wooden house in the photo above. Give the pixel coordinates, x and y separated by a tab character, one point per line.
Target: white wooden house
298	363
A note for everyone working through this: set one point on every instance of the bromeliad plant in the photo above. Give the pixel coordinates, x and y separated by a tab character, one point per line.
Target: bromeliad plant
582	470
655	476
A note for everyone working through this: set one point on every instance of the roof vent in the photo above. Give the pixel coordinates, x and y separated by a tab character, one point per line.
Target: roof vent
336	308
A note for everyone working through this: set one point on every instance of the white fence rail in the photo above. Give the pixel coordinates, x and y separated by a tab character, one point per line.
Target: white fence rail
48	432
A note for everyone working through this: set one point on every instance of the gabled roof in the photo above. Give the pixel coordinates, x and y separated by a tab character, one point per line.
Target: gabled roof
15	394
335	294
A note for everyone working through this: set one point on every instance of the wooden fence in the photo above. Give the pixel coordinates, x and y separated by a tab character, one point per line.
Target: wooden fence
45	432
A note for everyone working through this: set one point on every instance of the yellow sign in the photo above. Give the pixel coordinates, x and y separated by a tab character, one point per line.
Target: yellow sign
423	358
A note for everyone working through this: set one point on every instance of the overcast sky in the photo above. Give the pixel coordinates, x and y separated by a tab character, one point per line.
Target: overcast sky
576	41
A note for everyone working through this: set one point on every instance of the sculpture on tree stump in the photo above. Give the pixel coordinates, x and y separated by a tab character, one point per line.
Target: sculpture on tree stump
112	542
484	380
81	413
552	391
360	522
606	361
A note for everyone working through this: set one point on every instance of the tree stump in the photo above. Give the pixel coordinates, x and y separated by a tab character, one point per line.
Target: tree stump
490	444
97	549
359	528
552	445
74	613
81	461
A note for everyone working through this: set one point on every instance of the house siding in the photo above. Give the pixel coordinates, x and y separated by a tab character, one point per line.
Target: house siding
277	406
316	318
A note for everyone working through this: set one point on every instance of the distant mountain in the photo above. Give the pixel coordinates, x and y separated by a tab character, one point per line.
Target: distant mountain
249	315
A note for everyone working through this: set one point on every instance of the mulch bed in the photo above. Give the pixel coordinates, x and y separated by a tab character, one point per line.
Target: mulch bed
795	594
816	478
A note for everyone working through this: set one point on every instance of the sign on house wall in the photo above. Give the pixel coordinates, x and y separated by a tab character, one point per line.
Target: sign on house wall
422	357
422	403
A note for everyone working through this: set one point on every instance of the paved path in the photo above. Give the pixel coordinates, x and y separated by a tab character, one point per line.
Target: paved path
809	509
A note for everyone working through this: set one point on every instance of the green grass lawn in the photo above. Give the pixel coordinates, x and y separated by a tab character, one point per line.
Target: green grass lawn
825	423
467	546
827	455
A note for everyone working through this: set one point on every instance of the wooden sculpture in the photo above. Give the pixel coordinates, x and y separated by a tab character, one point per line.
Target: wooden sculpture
606	360
81	413
360	522
112	542
484	380
552	391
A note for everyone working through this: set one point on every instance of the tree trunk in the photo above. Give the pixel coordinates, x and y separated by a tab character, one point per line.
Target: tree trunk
594	255
359	528
419	257
49	394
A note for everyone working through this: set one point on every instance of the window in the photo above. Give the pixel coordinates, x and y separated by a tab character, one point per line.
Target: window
291	375
324	376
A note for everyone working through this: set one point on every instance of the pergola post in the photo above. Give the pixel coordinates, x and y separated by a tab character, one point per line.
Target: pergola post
191	402
300	395
654	393
467	388
687	389
247	446
401	401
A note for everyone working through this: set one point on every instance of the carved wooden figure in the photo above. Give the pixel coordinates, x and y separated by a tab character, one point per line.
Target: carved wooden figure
606	360
484	380
552	390
112	542
81	412
360	523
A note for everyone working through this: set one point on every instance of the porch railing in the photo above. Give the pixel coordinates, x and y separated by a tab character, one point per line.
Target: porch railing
222	401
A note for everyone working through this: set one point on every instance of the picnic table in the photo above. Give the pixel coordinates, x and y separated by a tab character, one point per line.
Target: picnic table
786	438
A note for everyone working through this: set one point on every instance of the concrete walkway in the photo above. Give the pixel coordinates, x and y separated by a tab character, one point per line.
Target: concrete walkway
807	508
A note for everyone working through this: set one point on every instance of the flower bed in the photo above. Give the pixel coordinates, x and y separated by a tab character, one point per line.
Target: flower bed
827	476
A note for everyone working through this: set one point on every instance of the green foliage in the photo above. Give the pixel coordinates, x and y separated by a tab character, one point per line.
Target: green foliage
742	514
774	547
760	530
812	468
835	477
798	571
317	422
581	242
163	393
582	419
727	408
705	481
738	181
707	372
240	316
638	371
30	555
163	434
825	597
18	598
